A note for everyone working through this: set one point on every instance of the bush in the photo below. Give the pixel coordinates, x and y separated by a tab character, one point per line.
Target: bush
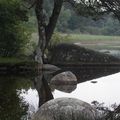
13	35
57	38
107	113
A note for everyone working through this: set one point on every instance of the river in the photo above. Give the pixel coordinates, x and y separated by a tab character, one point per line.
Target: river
20	96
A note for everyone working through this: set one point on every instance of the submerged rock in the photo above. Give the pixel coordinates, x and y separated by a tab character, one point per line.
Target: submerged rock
50	68
66	109
64	78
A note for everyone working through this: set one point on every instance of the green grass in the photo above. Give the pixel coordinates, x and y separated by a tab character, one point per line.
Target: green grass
89	41
81	37
13	60
85	37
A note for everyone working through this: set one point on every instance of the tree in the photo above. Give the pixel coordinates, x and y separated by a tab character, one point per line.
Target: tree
94	8
13	35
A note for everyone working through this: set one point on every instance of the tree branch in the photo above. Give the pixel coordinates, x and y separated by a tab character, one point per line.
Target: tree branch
53	20
31	6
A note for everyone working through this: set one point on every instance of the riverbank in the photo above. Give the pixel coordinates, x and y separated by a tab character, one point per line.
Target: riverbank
15	66
10	65
96	42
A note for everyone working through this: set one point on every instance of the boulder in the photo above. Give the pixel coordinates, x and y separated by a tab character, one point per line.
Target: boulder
66	109
64	78
71	54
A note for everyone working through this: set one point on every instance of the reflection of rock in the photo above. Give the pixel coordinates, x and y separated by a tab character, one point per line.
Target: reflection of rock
50	68
64	78
66	109
64	88
94	81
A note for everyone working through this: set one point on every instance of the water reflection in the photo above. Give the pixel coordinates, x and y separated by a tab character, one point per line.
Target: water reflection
64	88
19	96
12	106
105	90
89	72
42	82
43	89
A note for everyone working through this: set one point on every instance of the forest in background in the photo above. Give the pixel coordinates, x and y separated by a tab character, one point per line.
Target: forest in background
18	30
70	22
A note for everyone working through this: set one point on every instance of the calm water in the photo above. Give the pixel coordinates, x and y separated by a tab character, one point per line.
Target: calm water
21	96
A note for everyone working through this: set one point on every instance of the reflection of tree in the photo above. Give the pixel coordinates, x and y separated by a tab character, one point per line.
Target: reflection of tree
12	107
43	89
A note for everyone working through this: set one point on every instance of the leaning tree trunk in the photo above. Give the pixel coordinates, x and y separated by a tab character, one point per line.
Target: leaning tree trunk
53	20
45	31
39	53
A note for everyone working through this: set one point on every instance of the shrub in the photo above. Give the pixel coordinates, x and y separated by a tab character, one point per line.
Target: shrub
13	35
58	38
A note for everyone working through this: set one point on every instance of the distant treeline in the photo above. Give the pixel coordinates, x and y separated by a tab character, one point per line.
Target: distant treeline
70	22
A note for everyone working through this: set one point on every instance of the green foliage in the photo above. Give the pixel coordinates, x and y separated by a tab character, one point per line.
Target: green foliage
12	106
13	34
72	38
57	38
70	22
14	60
64	17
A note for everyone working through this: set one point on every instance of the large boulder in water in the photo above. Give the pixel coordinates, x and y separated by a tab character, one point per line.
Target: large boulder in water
65	109
64	78
74	54
65	81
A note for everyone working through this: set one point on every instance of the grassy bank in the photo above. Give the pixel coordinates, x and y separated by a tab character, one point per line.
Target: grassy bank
94	41
15	66
81	37
89	41
86	37
13	60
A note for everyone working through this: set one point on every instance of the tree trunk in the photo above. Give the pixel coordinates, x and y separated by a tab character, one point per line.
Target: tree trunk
53	20
45	31
39	53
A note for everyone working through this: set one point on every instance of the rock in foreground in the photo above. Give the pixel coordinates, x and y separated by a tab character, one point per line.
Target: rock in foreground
65	109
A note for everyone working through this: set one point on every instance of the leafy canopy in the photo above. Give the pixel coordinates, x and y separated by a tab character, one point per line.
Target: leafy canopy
13	35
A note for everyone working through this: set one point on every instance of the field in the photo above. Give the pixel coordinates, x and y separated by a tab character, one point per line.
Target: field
85	37
94	41
89	41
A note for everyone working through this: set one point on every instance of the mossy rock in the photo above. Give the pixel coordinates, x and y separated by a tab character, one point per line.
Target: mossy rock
74	54
66	109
